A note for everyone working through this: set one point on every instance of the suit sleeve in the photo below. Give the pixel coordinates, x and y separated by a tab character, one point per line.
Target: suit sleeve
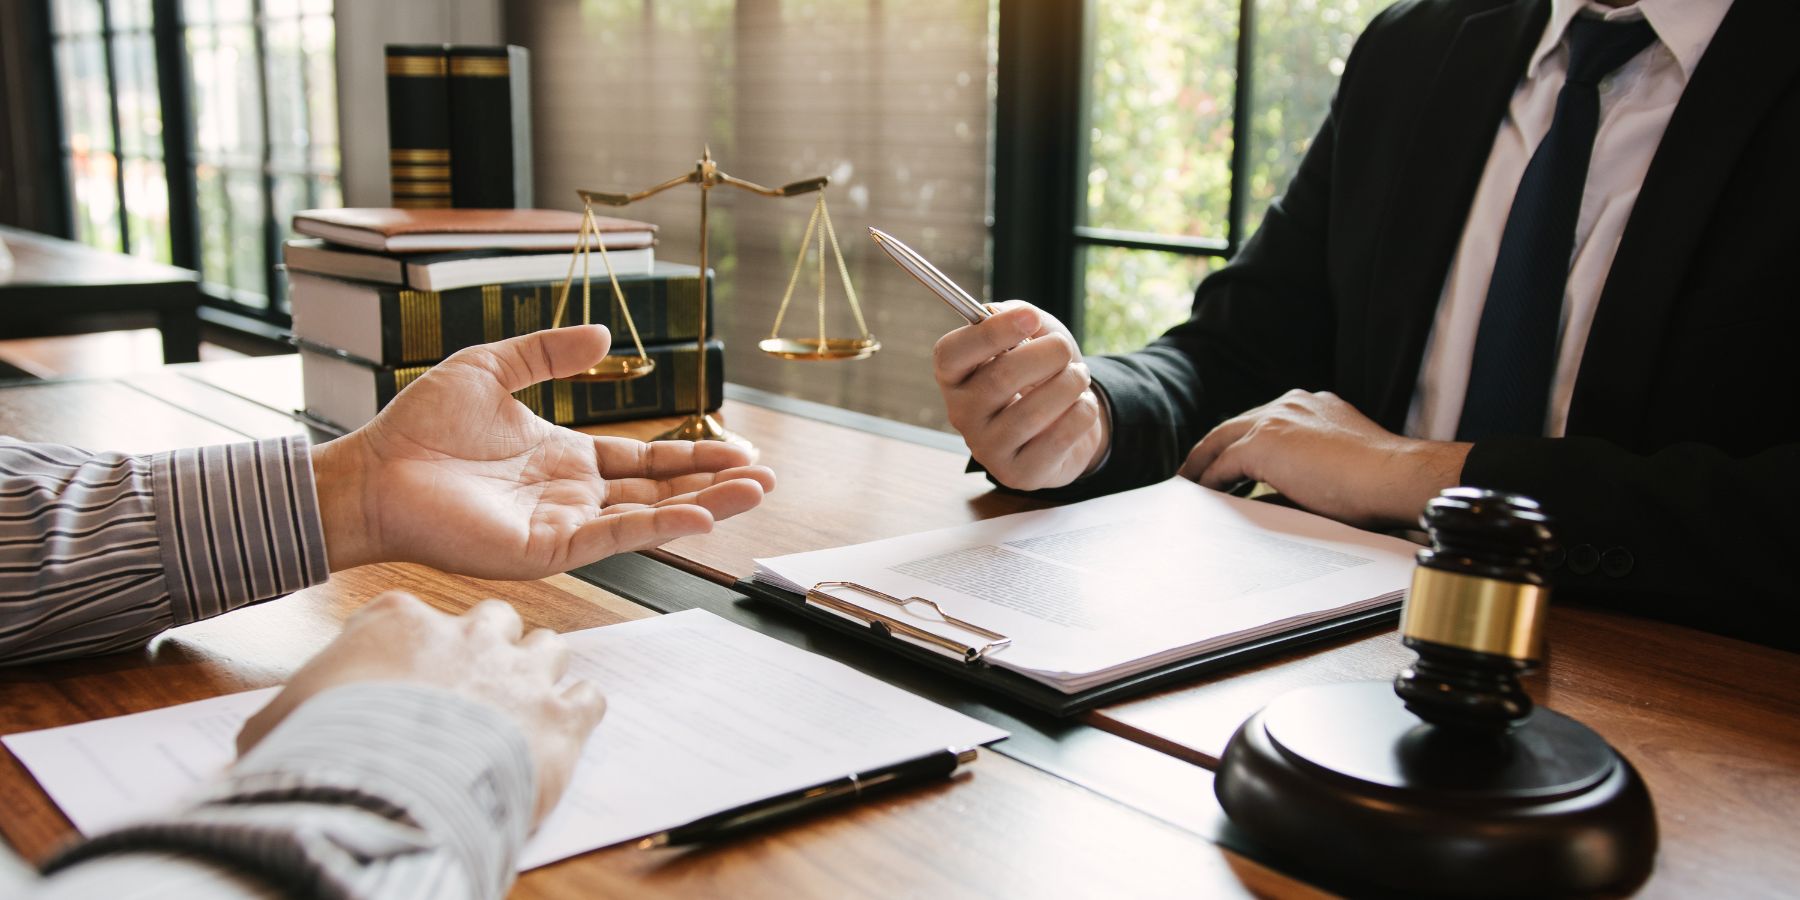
1263	324
1650	534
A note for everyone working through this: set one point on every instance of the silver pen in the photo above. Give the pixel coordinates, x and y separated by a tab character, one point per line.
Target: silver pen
927	274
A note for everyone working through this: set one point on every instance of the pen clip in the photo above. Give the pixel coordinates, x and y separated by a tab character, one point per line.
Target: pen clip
970	653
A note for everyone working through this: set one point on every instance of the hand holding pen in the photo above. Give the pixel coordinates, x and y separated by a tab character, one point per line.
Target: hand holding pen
1014	384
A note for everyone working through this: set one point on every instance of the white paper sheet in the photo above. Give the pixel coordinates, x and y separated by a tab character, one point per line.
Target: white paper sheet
1122	583
702	715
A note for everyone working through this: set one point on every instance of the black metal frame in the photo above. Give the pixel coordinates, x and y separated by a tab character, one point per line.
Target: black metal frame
55	214
178	143
1040	152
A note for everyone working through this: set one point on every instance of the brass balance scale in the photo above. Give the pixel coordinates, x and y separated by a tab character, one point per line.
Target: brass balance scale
700	426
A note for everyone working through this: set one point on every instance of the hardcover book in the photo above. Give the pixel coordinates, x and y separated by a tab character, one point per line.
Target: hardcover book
418	95
490	126
396	326
395	230
448	271
347	392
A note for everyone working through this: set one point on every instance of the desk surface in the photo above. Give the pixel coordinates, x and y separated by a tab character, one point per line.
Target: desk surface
40	260
1713	724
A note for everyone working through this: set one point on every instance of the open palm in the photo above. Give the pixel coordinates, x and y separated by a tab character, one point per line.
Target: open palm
457	474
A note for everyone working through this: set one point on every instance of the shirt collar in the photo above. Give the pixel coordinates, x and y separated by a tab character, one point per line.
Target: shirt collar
1685	27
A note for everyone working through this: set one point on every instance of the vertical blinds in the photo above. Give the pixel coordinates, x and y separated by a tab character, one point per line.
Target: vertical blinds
890	99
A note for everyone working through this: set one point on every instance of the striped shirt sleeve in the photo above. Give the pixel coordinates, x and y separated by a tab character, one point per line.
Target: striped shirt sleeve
379	790
101	551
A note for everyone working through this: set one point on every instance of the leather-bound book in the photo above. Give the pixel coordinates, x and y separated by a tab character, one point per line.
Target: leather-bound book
419	154
398	326
438	230
347	392
490	126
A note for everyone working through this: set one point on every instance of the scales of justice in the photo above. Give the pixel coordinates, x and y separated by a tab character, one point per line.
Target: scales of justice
700	426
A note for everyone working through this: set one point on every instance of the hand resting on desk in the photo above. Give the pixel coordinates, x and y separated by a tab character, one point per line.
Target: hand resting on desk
458	475
481	655
1323	454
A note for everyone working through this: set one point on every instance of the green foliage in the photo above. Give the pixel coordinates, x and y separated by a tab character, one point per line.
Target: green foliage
1160	138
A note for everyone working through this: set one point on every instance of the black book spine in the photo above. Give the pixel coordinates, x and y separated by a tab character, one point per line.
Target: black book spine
420	162
667	391
426	326
490	127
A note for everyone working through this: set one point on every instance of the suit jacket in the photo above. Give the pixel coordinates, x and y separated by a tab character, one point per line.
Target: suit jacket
1676	492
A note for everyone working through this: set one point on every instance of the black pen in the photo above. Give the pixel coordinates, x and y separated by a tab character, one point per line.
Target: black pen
940	764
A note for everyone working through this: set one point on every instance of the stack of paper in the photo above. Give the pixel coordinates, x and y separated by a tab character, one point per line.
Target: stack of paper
1098	591
702	716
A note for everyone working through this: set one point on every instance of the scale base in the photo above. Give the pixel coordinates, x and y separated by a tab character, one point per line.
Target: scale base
1345	782
703	427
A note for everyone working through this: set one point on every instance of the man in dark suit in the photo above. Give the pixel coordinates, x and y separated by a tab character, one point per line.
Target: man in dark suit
1537	245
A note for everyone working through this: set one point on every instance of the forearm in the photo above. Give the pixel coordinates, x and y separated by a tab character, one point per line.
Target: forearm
1687	534
371	790
100	552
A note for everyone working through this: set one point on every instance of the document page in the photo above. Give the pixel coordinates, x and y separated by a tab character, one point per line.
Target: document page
702	715
1120	583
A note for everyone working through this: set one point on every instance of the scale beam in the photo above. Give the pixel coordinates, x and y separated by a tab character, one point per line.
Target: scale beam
613	199
792	189
707	175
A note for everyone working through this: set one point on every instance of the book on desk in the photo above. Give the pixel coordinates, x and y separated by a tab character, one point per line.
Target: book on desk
1067	608
399	326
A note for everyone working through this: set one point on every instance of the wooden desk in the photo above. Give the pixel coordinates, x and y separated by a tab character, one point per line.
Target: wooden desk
1004	829
1713	724
57	286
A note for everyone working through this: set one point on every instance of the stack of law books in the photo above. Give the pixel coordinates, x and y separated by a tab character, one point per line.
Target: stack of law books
379	296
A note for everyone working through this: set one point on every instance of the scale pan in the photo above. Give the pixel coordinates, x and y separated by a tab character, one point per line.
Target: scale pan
616	368
814	348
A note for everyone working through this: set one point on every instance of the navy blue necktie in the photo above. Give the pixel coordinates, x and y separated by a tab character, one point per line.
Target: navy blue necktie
1515	350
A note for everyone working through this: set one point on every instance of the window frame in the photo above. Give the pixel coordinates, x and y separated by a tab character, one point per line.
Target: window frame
168	30
1045	68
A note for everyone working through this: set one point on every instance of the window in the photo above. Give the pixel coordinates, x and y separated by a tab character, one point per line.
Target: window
112	125
265	135
1165	189
249	91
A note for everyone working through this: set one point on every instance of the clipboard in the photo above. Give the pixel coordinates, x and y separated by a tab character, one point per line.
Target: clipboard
971	665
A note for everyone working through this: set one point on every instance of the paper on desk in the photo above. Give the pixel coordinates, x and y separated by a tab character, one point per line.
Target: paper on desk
702	715
1094	591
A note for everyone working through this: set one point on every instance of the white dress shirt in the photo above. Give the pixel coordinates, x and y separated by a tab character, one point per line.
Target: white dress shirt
1635	104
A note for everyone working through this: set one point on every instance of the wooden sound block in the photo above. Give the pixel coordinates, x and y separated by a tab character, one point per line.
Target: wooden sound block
1345	784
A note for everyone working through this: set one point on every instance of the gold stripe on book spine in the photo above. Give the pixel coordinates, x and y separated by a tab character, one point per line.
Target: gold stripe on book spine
528	314
418	173
421	325
408	375
419	155
481	66
687	378
1504	618
682	306
532	397
421	188
421	202
491	329
563	402
416	66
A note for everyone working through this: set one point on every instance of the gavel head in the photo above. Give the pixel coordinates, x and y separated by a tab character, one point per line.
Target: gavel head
1475	614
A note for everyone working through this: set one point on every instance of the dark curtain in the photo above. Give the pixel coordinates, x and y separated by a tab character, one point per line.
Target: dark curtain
33	188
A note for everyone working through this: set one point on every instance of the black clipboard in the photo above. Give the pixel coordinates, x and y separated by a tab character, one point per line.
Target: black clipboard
1045	698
